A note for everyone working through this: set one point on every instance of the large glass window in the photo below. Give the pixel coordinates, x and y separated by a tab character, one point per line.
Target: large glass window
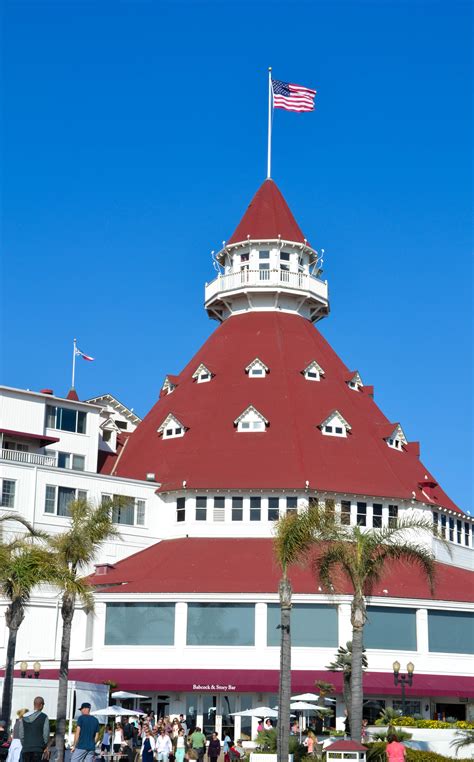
255	508
390	628
361	514
237	509
66	419
313	625
201	508
377	515
221	624
8	493
451	632
139	624
273	508
57	499
129	511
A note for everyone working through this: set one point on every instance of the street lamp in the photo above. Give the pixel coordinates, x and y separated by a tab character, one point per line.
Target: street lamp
23	668
403	680
37	669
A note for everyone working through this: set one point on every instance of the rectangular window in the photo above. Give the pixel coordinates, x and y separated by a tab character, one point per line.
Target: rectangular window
68	460
219	508
467	528
329	506
291	504
130	512
459	531
285	256
265	254
451	529
65	419
435	522
255	508
377	515
244	257
221	624
451	632
412	706
139	624
346	512
361	514
237	509
443	526
201	508
8	493
392	516
57	499
273	508
390	628
181	509
312	625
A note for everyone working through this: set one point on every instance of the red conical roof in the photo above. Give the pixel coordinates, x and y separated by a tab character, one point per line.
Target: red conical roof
268	216
292	450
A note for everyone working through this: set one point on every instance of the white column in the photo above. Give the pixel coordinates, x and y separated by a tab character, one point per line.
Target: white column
422	639
344	623
261	626
180	624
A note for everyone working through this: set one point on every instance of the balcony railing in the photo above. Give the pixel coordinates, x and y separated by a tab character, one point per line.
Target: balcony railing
31	458
271	279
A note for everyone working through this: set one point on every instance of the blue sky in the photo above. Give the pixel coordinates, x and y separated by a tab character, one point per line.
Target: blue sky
134	135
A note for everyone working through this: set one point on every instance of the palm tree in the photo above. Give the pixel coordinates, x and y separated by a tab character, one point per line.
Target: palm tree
294	536
23	566
361	555
343	663
76	549
463	738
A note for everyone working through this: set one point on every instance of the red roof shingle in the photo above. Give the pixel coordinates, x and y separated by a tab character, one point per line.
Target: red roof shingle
268	216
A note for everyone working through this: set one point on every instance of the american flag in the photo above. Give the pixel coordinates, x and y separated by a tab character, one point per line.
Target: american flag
292	97
84	356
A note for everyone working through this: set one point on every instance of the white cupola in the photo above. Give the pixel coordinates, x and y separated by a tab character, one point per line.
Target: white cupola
267	265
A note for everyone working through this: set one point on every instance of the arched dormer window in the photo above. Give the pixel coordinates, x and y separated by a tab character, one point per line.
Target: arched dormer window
396	439
335	425
250	420
171	427
313	372
257	369
354	381
202	374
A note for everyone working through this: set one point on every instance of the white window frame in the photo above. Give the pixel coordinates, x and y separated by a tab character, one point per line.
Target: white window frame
80	494
397	439
10	481
171	428
202	374
315	369
246	426
257	369
333	422
139	509
70	456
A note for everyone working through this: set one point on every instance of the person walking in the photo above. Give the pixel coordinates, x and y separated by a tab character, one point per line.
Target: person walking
118	738
226	746
148	746
214	748
106	740
198	743
179	746
34	733
14	752
164	746
86	735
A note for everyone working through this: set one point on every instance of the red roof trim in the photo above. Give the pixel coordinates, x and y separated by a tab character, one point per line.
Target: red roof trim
26	435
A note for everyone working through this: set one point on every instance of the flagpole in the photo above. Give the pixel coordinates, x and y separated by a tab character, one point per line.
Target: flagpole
269	150
73	363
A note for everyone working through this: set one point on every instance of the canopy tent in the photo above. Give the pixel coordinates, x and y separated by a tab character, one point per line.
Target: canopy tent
121	695
116	711
258	711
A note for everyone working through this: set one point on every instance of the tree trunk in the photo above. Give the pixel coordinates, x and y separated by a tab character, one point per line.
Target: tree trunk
14	616
358	618
347	693
284	688
67	614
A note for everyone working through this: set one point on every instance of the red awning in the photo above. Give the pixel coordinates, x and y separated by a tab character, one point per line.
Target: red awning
263	681
43	439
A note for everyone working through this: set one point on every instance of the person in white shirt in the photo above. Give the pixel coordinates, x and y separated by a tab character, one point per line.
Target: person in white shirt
163	746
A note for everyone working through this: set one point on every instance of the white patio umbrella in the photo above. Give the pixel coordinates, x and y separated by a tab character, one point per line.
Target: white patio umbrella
126	695
258	711
304	697
116	711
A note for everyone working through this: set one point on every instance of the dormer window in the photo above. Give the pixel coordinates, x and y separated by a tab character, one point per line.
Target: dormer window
168	385
171	428
251	421
396	439
335	425
354	381
202	374
257	369
313	372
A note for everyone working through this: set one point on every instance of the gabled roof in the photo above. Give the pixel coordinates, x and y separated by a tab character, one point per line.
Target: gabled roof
250	409
170	418
201	368
354	377
268	216
109	425
340	418
255	362
313	365
292	450
393	431
154	570
108	399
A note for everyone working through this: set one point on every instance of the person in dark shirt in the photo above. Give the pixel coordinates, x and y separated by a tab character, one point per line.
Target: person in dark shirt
86	736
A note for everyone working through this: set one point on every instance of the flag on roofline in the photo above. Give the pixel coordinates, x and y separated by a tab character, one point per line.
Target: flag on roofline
84	356
292	97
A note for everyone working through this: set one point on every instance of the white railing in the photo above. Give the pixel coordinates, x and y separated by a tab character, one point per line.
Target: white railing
32	458
267	279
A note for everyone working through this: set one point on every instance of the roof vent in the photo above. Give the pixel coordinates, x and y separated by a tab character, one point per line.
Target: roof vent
101	569
46	391
150	477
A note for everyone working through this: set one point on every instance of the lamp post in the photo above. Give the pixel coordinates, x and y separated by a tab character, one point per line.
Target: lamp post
24	669
403	680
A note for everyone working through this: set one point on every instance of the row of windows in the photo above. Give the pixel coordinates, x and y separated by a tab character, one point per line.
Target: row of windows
58	499
65	419
213	508
454	530
312	626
